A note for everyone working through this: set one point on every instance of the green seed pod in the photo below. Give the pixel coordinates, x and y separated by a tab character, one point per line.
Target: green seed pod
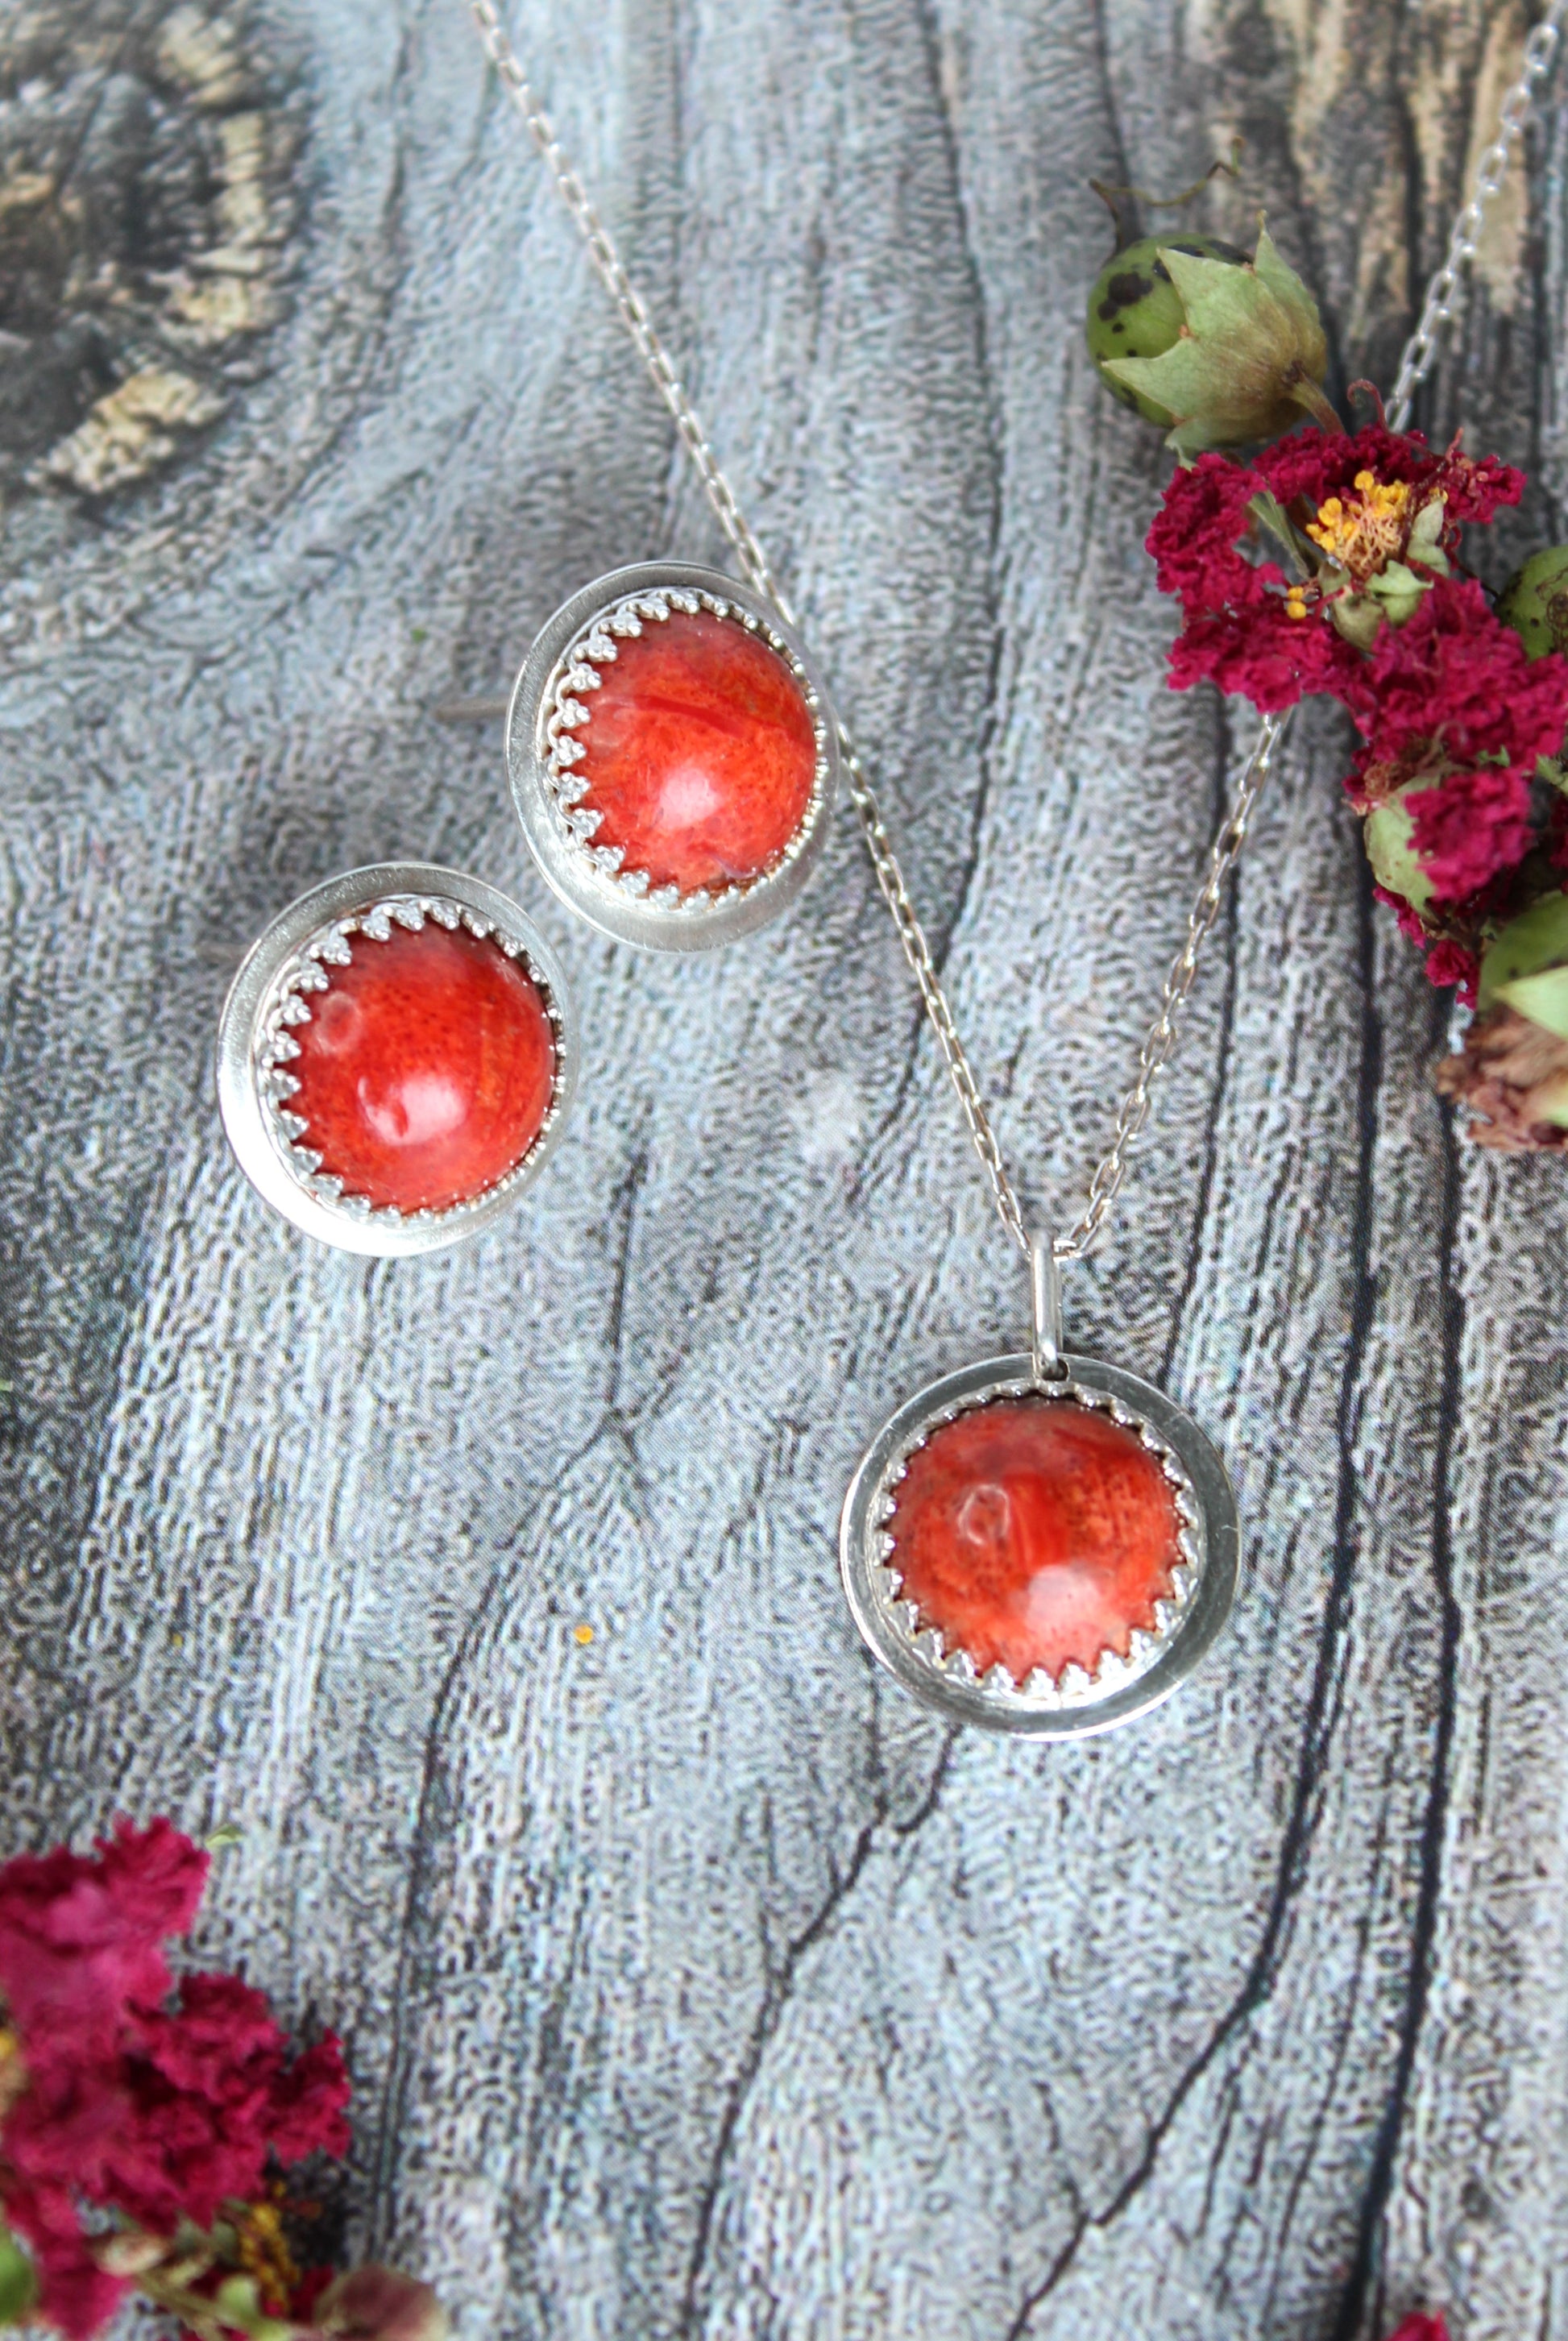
18	2281
1228	349
1534	601
1526	966
1136	311
1386	834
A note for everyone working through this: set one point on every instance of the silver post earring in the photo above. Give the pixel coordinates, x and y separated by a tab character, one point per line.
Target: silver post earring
396	1058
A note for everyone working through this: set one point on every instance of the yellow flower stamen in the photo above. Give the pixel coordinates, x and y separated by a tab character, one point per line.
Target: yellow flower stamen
1361	536
265	2254
13	2071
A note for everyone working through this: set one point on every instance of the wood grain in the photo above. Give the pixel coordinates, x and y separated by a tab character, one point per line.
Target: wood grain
693	1983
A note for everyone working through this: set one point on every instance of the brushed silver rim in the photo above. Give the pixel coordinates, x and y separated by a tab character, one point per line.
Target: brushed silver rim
588	880
251	1113
1120	1691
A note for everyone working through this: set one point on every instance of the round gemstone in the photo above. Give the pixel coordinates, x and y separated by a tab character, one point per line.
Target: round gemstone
426	1068
699	753
1034	1533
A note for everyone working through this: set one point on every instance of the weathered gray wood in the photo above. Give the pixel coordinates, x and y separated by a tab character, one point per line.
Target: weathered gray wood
692	1982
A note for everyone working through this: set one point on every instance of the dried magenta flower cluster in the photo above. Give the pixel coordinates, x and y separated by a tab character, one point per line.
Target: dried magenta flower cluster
1330	562
1453	714
146	2124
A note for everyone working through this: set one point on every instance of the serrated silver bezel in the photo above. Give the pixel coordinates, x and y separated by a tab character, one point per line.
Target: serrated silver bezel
1080	1704
547	710
270	995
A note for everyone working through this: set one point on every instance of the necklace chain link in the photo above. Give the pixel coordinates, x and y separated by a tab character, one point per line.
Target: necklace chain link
1419	356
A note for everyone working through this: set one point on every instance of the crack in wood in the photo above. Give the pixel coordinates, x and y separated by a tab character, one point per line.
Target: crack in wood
781	1986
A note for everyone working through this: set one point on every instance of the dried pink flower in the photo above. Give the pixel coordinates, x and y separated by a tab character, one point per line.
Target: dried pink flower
82	1935
1243	628
157	2106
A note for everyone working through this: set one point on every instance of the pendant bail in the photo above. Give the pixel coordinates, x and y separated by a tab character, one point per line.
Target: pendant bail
1046	1291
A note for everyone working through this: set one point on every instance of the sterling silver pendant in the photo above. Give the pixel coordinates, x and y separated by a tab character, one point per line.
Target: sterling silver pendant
671	850
427	1056
1040	1544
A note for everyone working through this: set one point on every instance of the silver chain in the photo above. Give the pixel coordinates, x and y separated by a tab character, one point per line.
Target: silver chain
1421	350
1419	356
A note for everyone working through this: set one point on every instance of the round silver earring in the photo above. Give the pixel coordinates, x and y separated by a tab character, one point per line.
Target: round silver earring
396	1059
673	757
